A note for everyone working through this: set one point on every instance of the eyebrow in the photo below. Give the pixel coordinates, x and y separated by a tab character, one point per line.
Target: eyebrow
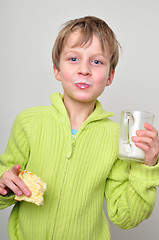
77	52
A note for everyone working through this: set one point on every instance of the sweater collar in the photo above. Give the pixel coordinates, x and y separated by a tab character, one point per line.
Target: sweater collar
98	114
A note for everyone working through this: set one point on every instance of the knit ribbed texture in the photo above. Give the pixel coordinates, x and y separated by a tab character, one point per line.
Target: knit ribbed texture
78	172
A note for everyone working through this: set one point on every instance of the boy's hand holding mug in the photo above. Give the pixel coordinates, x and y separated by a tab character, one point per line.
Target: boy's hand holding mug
138	139
148	141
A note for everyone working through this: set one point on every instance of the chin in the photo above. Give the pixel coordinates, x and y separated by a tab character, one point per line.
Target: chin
86	99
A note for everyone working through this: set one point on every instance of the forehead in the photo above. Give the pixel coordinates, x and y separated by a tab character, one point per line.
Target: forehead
77	40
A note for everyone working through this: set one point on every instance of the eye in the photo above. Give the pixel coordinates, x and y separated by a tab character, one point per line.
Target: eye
73	59
97	62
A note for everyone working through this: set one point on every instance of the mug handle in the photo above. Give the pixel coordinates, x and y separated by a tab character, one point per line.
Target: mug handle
128	122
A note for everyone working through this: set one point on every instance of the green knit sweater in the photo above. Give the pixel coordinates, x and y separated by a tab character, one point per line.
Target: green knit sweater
79	173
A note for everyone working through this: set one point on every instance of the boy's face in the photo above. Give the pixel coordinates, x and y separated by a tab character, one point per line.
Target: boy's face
84	70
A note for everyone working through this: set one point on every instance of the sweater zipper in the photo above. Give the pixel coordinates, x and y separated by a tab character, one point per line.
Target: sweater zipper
72	143
73	140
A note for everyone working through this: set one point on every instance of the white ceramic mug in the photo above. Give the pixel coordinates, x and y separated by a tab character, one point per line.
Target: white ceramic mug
130	122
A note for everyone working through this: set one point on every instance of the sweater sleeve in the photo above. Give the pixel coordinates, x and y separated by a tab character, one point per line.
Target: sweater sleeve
130	193
16	152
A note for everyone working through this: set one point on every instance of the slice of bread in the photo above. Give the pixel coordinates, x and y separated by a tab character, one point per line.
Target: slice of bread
36	186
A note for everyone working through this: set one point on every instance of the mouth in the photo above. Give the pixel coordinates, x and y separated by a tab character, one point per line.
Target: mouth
82	84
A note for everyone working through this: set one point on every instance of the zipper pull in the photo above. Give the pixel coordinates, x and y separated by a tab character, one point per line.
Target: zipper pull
71	147
69	153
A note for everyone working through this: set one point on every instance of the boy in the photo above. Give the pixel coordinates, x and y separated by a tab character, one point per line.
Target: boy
79	170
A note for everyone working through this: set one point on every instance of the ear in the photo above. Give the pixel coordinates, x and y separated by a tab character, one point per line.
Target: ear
57	74
110	78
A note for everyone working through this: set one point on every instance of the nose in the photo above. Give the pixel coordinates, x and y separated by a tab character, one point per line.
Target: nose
84	69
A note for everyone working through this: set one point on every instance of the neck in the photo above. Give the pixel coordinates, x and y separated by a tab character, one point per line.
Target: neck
78	111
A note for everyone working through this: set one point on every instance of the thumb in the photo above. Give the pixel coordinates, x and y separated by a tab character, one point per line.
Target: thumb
16	169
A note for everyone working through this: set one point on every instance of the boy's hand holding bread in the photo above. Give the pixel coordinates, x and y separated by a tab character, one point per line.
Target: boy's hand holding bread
25	185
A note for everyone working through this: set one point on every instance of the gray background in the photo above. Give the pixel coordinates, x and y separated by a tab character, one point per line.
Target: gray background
28	29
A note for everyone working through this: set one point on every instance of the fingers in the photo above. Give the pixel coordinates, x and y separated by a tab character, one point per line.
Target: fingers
16	169
147	133
2	189
11	182
147	136
149	127
21	187
148	141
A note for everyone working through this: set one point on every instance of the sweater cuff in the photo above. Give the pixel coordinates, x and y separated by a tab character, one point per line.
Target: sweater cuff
142	171
6	201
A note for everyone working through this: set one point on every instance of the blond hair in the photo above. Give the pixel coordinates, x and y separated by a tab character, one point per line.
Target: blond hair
88	26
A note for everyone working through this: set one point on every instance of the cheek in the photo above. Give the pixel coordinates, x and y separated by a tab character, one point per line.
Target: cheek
66	75
101	77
